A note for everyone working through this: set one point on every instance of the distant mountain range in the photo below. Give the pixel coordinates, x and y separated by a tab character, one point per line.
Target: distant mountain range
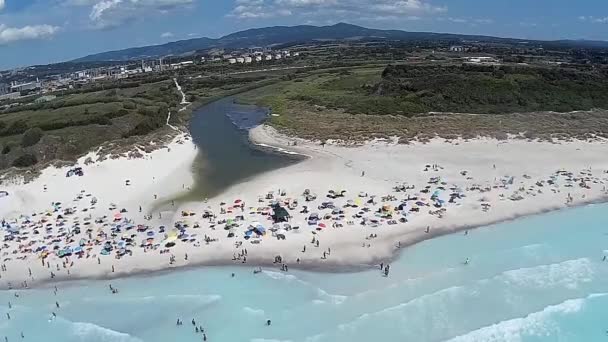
285	35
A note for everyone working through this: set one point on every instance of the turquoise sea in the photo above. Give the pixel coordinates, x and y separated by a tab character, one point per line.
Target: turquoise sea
540	278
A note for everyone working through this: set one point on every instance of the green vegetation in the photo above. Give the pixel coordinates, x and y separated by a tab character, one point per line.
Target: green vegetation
31	137
79	120
492	89
122	113
370	102
25	160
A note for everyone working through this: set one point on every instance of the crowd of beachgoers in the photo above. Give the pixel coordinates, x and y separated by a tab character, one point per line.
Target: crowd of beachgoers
282	227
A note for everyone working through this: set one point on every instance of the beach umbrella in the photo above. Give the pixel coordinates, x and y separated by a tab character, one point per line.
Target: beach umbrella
172	236
150	233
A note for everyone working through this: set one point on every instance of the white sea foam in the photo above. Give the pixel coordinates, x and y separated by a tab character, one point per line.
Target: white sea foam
279	149
328	297
201	299
268	340
190	298
539	323
569	274
280	276
254	312
426	301
92	332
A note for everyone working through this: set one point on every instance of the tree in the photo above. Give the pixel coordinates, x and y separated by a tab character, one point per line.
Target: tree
31	137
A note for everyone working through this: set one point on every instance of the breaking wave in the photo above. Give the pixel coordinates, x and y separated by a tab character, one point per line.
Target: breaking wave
569	274
189	298
90	332
322	294
541	323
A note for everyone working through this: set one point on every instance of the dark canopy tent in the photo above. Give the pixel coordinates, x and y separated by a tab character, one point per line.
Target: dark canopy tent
280	214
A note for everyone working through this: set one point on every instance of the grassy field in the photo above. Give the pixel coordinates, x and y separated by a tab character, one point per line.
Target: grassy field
349	104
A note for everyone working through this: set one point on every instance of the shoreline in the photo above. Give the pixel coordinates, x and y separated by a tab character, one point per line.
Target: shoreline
316	268
326	167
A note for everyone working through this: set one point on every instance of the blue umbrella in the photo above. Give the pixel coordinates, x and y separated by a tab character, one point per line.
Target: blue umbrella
150	233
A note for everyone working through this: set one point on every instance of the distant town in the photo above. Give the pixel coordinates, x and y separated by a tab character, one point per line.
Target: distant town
26	85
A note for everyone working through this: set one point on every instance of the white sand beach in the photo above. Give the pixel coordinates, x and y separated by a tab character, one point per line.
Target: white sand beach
384	196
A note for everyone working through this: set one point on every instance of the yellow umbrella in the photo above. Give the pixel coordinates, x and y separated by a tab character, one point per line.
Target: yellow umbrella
172	236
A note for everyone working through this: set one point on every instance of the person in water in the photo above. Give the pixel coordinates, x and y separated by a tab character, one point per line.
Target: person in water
268	322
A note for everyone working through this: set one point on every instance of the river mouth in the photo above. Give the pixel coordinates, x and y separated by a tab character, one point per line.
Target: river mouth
226	156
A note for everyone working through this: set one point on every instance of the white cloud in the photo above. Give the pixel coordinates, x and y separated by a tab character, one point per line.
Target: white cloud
111	13
527	24
1	5
13	34
335	9
458	20
484	21
166	35
80	2
594	20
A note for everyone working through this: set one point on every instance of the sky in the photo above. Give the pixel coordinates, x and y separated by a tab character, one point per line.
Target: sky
48	31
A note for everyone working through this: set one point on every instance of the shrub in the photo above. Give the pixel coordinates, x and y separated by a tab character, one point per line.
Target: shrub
17	127
31	137
25	160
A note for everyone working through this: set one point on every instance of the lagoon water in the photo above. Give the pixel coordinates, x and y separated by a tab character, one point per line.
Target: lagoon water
539	278
227	157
